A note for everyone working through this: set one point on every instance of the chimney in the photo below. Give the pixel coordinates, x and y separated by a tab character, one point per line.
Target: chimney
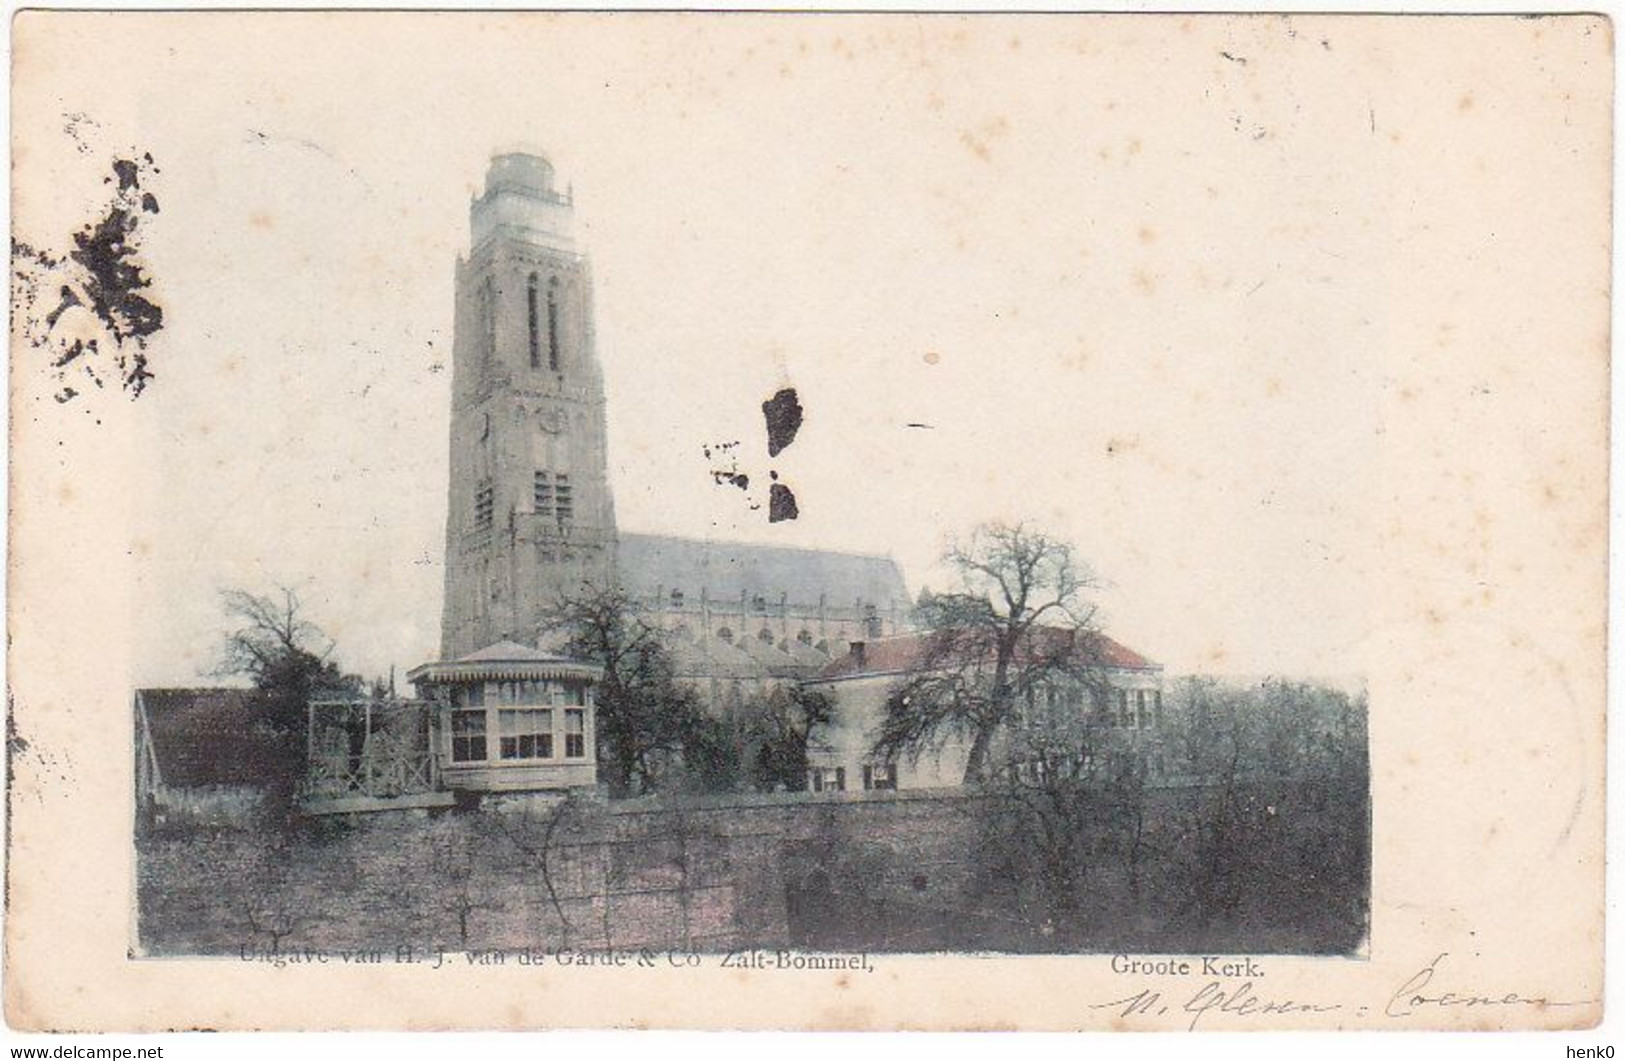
857	655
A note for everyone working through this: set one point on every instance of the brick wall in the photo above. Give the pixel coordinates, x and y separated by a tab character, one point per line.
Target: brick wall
905	871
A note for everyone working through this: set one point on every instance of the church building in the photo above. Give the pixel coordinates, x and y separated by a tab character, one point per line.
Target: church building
531	515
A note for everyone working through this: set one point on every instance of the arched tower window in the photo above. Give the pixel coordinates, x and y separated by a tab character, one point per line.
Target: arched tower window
488	321
533	312
553	324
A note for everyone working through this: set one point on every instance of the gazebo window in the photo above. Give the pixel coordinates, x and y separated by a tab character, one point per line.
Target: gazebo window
526	734
575	734
468	736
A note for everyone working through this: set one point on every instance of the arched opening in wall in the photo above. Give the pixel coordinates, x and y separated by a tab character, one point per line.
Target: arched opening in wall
765	636
805	637
488	321
811	911
533	317
553	324
725	634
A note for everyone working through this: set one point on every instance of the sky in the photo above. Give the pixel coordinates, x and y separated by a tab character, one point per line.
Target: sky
1125	281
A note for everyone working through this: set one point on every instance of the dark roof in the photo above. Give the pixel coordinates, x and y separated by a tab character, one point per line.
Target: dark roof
209	736
725	570
902	653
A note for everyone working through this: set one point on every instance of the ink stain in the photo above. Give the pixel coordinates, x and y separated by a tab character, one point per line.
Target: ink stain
783	414
781	504
104	278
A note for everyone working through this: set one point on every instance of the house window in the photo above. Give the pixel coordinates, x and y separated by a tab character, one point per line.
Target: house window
468	736
532	293
541	494
1145	708
828	778
765	636
484	505
676	599
880	777
805	637
564	503
1156	706
553	324
1123	716
526	734
725	634
575	734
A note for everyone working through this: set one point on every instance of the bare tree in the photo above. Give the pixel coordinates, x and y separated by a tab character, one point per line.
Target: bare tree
272	644
538	839
1072	800
646	720
776	727
1019	618
267	903
454	863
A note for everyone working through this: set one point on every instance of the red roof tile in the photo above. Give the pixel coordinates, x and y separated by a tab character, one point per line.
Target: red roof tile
904	652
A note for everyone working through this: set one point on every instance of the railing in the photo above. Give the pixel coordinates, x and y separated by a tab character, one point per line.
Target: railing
379	749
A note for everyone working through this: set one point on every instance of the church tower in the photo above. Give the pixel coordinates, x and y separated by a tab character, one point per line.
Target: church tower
530	516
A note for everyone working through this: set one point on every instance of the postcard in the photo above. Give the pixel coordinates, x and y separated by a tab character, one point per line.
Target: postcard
807	521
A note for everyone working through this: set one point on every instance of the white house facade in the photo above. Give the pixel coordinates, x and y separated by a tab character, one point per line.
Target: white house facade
841	754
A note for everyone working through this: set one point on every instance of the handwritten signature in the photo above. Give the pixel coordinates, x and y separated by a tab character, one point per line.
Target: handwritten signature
1415	997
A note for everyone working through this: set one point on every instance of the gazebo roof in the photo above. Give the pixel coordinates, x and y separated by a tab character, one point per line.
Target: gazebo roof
505	661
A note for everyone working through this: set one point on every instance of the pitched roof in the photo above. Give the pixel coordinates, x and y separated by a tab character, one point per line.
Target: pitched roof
726	570
511	652
904	652
210	736
711	657
505	661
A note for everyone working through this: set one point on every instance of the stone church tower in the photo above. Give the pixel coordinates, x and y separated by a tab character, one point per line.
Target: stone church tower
530	514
